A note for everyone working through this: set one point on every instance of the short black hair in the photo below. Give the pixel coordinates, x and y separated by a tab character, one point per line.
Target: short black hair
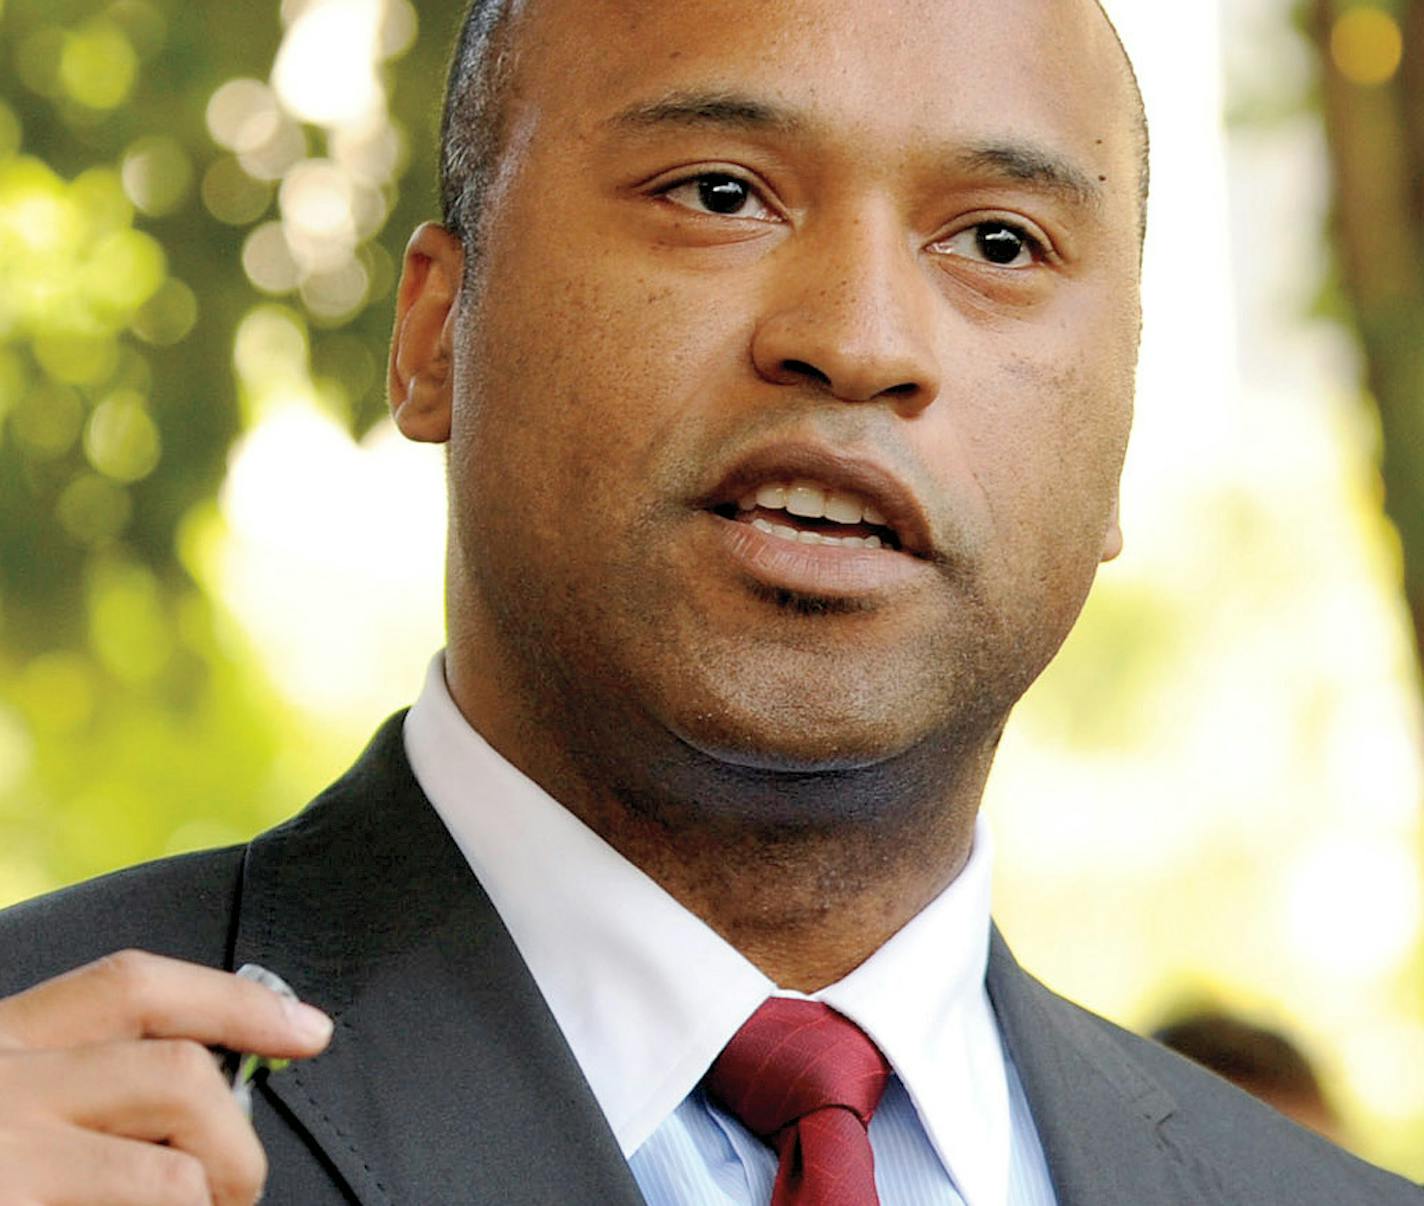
472	118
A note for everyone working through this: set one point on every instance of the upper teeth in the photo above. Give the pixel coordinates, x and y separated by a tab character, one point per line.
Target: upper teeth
811	501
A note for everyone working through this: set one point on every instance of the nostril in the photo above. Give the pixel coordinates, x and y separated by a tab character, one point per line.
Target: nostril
802	369
906	389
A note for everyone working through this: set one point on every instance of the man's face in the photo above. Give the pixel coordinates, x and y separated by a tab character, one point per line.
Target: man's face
747	262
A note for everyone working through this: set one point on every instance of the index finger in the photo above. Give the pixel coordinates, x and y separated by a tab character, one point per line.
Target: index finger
137	995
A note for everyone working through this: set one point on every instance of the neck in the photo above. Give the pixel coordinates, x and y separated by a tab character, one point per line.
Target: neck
806	873
806	903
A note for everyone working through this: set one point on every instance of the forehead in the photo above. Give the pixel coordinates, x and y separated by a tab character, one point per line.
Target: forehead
885	73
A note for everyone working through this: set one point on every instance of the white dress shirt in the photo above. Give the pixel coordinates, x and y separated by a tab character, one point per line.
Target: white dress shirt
647	994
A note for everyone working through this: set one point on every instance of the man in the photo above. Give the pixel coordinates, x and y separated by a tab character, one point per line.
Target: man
785	354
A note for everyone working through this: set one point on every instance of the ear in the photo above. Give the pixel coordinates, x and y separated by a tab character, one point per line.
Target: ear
420	377
1112	542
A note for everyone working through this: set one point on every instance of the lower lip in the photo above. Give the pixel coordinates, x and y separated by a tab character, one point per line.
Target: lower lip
820	570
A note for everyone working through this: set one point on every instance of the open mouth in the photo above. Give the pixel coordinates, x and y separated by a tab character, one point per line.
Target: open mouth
802	511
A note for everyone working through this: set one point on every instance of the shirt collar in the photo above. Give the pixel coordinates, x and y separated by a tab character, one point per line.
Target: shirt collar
647	994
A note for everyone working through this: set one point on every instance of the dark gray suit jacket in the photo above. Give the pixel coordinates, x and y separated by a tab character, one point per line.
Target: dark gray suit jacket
447	1080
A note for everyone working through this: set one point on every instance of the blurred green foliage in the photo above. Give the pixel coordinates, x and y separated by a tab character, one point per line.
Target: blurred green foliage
126	709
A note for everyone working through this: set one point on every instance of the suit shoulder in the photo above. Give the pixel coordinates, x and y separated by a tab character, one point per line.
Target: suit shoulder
187	906
183	907
1246	1150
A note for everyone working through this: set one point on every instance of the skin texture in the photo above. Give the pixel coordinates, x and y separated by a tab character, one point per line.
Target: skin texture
801	768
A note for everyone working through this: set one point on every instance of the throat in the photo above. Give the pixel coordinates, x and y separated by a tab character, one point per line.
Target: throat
807	912
806	875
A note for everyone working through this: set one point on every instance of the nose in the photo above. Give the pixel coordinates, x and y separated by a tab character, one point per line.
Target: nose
851	314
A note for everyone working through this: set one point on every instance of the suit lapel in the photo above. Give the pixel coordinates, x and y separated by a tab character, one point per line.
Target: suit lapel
447	1079
1099	1116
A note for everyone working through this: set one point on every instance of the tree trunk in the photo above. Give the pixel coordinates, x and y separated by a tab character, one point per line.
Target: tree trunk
1376	138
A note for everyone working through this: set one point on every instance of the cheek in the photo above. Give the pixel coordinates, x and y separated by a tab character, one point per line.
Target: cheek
1048	453
584	384
1076	386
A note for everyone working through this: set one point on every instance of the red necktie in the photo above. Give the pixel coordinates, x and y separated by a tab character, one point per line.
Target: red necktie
806	1080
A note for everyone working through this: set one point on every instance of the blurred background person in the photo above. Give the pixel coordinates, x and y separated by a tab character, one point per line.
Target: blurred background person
1263	1062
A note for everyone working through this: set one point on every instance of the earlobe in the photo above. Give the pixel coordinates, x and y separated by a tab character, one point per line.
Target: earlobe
420	378
1112	542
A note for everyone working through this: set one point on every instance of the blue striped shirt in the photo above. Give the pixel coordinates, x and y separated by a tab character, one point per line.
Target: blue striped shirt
701	1156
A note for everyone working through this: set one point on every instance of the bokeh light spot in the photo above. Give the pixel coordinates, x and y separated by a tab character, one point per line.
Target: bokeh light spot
268	261
316	198
325	71
76	358
157	175
270	348
121	439
376	153
318	203
99	193
98	66
399	27
35	211
125	270
169	316
94	510
272	158
1367	45
47	421
243	114
337	293
232	196
37	60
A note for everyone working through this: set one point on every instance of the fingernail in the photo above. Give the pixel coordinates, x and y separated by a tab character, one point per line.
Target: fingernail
308	1021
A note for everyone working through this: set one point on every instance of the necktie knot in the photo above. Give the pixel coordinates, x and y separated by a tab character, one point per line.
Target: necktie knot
807	1080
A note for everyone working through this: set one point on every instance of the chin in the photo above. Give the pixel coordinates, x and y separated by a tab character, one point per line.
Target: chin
801	744
811	710
789	757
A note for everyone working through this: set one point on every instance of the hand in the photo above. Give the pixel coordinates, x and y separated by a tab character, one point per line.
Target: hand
109	1095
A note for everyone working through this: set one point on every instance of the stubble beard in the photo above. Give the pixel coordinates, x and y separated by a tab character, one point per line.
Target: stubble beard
718	737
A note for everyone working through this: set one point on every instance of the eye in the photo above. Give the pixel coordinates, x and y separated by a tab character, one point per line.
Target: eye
721	194
1002	244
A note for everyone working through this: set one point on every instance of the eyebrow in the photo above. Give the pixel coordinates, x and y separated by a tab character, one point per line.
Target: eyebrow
726	110
1034	166
1021	162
